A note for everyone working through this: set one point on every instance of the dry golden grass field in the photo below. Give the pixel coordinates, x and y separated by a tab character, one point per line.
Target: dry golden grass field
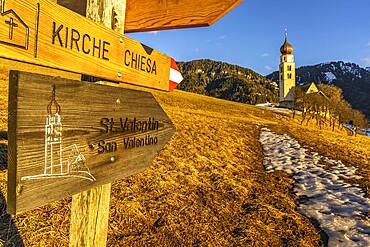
207	187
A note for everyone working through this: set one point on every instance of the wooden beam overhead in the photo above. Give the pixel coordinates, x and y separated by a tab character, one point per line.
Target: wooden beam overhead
149	15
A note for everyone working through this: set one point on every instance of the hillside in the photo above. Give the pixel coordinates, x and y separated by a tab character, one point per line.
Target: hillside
226	81
207	187
351	78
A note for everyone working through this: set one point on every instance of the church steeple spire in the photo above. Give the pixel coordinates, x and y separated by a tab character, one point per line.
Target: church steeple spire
286	48
286	32
286	73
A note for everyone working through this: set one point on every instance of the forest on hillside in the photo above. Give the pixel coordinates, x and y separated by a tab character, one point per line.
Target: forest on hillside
227	81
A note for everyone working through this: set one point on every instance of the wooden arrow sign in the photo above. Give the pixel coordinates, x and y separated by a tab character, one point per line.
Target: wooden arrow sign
44	33
68	136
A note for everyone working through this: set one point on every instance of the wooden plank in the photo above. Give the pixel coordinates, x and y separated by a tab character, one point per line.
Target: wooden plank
47	34
89	217
148	15
7	65
98	133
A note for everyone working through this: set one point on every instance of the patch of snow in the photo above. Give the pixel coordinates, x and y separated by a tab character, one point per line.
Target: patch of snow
341	64
274	84
267	104
350	68
347	125
339	207
272	107
329	77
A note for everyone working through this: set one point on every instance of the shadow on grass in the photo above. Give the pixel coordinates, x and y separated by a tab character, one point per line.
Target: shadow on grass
3	135
3	157
9	234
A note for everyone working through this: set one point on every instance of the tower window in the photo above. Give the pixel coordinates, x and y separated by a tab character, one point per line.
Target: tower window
284	59
289	67
289	76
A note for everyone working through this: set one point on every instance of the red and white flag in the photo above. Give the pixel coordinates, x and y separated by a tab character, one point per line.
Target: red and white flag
175	75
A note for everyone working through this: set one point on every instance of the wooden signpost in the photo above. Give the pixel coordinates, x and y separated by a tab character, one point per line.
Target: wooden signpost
69	136
47	34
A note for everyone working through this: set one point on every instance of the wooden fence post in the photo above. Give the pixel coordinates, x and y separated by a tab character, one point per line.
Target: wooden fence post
90	209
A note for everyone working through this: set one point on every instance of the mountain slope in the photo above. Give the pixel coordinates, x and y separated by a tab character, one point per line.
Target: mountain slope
351	78
226	81
208	186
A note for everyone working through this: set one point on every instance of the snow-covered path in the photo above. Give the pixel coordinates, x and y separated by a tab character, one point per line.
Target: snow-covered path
339	207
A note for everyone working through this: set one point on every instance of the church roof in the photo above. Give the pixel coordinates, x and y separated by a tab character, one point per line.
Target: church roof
286	48
309	88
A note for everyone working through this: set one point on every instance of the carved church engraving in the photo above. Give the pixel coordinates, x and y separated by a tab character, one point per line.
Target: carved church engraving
59	161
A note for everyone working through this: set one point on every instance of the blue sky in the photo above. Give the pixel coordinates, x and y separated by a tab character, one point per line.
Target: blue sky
252	33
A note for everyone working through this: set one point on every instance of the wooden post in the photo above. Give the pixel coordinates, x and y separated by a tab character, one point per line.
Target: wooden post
89	217
90	209
110	13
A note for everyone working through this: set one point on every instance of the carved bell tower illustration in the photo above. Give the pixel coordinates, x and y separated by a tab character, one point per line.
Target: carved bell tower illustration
59	161
53	138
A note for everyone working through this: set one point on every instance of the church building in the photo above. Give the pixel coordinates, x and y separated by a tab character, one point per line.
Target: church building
292	96
287	82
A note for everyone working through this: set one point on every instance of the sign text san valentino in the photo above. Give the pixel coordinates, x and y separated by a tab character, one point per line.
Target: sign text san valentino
69	136
44	33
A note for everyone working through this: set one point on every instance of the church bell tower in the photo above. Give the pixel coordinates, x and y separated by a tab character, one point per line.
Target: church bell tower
287	81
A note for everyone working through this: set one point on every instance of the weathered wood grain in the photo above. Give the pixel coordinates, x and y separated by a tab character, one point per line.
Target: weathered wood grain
7	65
44	33
172	14
86	111
89	217
149	15
110	13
